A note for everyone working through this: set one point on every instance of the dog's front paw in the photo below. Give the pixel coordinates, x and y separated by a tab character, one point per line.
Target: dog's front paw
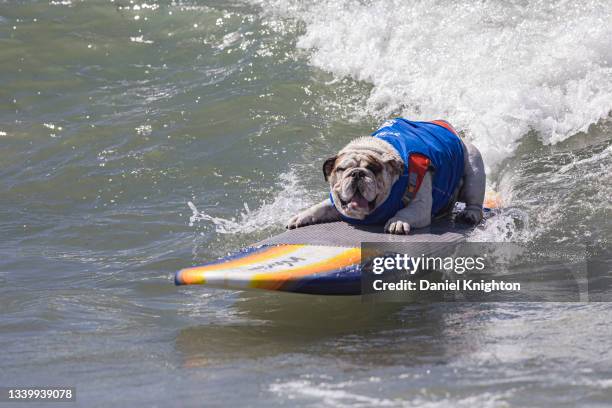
300	220
397	226
470	215
294	222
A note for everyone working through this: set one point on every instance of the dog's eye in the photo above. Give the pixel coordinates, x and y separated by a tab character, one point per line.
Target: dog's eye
373	169
340	169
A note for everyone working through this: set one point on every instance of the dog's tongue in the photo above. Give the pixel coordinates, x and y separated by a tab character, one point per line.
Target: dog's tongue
358	201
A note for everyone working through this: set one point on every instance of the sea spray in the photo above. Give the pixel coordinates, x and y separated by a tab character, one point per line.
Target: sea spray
494	69
290	197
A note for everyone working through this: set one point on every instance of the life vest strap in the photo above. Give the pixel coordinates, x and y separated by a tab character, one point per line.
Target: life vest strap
418	165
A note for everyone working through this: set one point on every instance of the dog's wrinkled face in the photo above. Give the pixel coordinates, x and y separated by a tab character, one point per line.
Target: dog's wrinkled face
361	177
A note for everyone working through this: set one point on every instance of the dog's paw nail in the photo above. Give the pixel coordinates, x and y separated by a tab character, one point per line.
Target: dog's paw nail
292	223
298	221
397	227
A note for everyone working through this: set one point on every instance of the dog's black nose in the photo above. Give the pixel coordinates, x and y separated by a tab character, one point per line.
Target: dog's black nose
358	174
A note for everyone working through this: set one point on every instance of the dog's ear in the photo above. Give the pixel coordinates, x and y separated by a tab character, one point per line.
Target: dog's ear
328	166
396	164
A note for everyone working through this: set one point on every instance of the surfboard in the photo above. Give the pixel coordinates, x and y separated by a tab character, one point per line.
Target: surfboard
322	259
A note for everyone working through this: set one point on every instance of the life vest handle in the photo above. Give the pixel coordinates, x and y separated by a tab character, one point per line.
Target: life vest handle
418	165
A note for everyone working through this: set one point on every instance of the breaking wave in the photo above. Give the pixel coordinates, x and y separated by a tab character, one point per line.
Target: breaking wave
497	70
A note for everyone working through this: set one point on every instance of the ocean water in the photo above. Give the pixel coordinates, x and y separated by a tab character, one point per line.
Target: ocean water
137	138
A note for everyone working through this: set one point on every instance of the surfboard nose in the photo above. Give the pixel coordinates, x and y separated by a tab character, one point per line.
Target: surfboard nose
188	276
272	267
182	277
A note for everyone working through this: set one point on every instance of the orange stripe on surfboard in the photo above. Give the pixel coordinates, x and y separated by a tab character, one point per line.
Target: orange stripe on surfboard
195	275
274	281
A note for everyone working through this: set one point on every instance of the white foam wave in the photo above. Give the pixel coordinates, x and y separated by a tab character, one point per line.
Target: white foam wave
141	40
291	198
596	158
509	225
495	69
329	395
345	395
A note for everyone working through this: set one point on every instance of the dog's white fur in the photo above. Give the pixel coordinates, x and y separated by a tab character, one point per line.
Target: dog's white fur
417	213
368	166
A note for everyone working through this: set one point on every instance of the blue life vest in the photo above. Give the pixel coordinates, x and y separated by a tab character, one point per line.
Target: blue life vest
439	144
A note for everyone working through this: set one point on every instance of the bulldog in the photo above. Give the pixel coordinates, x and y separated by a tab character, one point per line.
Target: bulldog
403	176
